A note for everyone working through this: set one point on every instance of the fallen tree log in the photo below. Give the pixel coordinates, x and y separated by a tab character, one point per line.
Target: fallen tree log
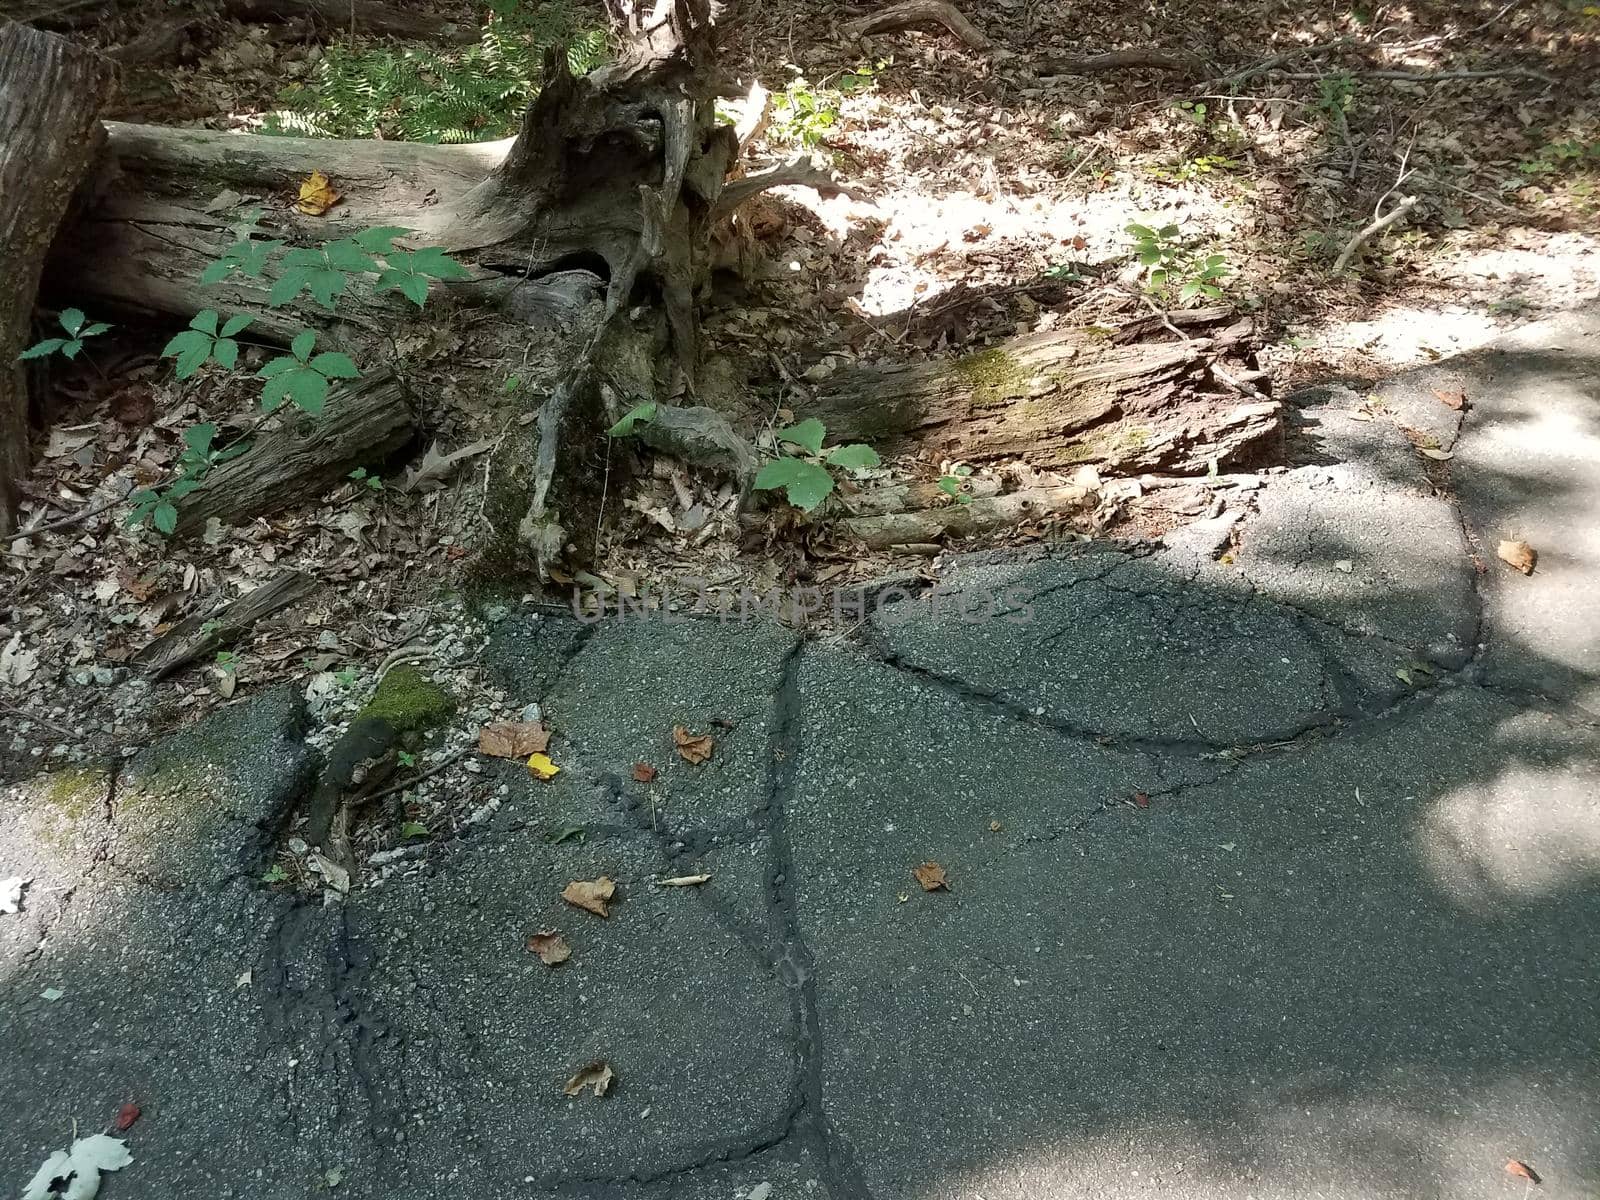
203	634
306	456
985	514
51	92
1061	400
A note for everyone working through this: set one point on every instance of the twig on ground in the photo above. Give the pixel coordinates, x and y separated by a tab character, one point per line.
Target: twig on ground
1274	61
83	514
1371	231
412	782
1430	76
1117	60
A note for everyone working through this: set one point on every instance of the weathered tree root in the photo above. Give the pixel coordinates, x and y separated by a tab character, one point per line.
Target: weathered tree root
1181	62
908	14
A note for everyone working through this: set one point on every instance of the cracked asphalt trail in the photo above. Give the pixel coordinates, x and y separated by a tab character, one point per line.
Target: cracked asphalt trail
1273	857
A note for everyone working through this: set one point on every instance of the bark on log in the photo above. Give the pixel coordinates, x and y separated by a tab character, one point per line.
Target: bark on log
1058	400
51	92
984	515
306	457
358	16
205	633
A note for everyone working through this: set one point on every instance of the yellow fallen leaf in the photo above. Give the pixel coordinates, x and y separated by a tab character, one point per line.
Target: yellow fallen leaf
550	946
590	894
596	1076
1519	555
542	767
316	195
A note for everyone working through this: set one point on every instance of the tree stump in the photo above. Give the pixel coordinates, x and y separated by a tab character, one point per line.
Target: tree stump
51	93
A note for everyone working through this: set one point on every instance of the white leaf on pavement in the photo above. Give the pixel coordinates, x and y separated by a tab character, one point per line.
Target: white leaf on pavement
16	664
11	893
436	467
75	1174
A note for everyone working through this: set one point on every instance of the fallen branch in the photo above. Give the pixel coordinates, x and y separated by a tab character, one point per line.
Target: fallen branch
1371	231
204	634
909	13
300	461
1429	76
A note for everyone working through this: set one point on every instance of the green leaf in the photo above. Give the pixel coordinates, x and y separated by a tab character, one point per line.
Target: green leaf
413	287
433	260
226	352
71	348
303	341
1143	232
1189	291
272	368
380	239
308	389
191	348
72	320
642	414
413	829
335	365
94	330
288	285
345	255
854	455
198	437
949	485
48	346
810	487
780	472
165	517
808	434
182	488
205	321
216	272
235	323
325	285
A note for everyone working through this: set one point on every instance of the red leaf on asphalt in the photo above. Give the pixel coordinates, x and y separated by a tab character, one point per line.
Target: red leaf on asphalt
692	748
643	772
126	1116
1453	398
1522	1170
550	946
1141	800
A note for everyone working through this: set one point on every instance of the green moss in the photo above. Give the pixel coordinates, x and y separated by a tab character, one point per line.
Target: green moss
1105	445
993	375
408	700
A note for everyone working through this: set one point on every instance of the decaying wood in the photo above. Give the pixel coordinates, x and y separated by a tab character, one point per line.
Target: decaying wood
983	515
355	16
202	635
1057	401
908	14
306	456
51	92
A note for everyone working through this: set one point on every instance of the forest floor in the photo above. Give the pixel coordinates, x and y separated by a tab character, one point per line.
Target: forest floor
999	184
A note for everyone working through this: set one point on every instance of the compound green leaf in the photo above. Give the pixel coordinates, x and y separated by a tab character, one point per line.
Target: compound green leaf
808	435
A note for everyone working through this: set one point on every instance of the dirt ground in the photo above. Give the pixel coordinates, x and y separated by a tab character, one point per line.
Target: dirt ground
999	184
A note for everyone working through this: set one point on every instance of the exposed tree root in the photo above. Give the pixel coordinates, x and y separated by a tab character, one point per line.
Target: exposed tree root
908	14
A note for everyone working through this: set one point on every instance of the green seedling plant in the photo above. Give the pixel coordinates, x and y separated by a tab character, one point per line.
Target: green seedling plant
203	342
366	479
805	477
953	483
1172	268
302	377
76	326
199	456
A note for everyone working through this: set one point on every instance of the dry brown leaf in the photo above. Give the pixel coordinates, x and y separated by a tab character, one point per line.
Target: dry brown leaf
513	739
1435	453
684	881
590	894
597	1076
1521	1170
995	827
1519	555
692	748
643	772
931	876
316	195
1453	398
550	946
